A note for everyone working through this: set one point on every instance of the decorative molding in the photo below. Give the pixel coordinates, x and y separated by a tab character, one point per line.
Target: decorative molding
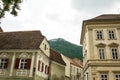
24	55
2	72
90	29
101	45
5	55
118	28
113	44
21	73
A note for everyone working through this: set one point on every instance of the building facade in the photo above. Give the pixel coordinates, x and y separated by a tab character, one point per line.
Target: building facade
24	55
101	47
57	66
76	69
73	69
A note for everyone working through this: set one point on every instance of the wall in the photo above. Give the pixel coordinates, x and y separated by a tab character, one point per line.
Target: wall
57	71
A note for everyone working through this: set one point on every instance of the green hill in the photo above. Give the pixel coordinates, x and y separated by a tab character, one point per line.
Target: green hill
68	49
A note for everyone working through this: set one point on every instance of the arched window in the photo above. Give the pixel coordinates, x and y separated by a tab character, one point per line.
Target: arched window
4	60
23	62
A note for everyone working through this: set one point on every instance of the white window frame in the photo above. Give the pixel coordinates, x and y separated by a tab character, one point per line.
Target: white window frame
23	63
104	76
111	34
114	52
99	34
2	63
101	53
117	76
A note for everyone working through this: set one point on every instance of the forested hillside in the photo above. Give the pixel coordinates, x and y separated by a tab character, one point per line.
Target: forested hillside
68	49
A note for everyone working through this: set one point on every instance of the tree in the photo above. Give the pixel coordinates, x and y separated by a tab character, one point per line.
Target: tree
11	6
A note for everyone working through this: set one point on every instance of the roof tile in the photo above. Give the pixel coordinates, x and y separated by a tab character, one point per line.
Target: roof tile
20	40
55	56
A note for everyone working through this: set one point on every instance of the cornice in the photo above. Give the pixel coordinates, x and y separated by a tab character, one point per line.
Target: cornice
101	63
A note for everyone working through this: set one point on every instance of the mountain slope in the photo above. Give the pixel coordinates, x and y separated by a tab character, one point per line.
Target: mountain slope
66	48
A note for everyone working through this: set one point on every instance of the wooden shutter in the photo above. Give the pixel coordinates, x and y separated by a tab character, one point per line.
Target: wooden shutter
6	65
28	64
48	70
42	67
45	69
39	65
17	60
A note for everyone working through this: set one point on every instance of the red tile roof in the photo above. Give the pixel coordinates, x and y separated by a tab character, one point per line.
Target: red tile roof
55	56
21	40
75	61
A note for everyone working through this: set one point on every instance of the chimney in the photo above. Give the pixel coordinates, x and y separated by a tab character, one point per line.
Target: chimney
1	30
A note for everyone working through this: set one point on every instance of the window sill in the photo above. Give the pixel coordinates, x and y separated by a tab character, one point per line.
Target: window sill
113	39
99	39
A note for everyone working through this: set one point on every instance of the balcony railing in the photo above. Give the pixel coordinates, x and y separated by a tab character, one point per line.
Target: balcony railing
21	73
2	72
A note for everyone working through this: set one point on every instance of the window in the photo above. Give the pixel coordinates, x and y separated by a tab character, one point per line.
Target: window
101	52
111	34
117	76
46	69
40	66
114	53
23	63
99	34
103	76
45	47
3	63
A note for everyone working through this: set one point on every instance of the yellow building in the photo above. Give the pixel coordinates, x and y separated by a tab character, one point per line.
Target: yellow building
73	69
101	47
57	66
76	69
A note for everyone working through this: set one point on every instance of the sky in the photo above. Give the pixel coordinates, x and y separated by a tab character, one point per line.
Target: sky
58	18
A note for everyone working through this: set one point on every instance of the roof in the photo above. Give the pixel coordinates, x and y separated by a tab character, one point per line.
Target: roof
106	17
75	61
55	56
21	40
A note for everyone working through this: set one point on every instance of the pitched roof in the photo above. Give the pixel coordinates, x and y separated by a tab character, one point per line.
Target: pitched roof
75	62
105	17
55	56
21	40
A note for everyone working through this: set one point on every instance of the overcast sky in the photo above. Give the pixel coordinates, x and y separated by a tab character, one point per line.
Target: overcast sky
58	18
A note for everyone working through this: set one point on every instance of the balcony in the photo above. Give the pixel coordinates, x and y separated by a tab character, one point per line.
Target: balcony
21	73
2	72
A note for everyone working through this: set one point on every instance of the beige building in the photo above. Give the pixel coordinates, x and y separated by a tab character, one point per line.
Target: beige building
101	47
57	66
76	69
73	69
24	55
